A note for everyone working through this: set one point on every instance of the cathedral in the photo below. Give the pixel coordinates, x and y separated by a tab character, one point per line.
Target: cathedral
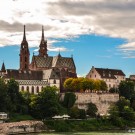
42	71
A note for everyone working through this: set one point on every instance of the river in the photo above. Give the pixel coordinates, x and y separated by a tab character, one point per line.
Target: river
85	133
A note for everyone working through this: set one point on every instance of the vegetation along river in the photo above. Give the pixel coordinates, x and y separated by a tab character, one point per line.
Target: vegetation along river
86	133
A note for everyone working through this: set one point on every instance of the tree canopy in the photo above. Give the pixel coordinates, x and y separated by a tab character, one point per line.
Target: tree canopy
46	103
127	89
78	84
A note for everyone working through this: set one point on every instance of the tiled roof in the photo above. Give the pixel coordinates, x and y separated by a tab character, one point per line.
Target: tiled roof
24	75
109	73
32	82
57	61
43	61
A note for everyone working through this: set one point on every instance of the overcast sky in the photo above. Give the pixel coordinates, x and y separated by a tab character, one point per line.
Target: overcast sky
70	21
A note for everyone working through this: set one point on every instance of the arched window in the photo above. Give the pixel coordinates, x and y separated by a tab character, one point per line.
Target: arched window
54	81
32	90
37	89
25	66
27	88
22	88
25	59
42	88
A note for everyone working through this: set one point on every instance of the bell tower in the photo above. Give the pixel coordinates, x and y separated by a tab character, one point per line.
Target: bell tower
24	53
43	46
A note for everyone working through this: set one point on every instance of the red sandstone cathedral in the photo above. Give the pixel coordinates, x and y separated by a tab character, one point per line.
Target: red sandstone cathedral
42	71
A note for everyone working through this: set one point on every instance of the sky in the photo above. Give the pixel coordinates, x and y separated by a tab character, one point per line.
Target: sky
99	33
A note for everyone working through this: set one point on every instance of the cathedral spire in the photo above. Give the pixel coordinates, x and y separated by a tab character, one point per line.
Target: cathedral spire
24	36
24	53
3	69
43	45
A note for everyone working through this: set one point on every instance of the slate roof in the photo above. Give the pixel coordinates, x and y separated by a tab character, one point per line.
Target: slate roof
57	61
43	61
24	75
109	73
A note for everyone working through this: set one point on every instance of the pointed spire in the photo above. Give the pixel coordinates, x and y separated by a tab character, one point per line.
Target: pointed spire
59	53
24	36
42	33
3	69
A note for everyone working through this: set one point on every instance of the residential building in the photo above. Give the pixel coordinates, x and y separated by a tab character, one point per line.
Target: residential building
112	77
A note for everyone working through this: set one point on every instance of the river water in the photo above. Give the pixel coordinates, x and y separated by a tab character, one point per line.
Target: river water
86	133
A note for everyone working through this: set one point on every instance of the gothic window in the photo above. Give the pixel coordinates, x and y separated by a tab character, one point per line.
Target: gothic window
32	91
42	88
25	66
95	76
25	59
22	88
54	81
27	88
37	89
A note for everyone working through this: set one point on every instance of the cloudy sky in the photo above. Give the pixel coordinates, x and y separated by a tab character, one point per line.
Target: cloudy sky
98	33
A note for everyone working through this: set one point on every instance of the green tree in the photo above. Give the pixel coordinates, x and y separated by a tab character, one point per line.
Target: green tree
87	84
68	84
46	104
92	110
103	85
97	84
121	111
76	84
69	99
16	100
3	96
128	113
127	89
122	102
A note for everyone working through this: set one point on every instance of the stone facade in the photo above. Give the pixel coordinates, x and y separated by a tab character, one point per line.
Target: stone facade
102	101
23	127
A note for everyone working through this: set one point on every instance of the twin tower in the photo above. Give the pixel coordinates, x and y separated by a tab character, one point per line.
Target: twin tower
25	54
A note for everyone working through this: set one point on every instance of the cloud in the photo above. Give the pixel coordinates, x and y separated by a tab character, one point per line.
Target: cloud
66	20
127	50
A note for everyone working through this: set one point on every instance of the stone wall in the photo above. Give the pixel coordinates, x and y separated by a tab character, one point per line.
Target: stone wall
21	127
102	101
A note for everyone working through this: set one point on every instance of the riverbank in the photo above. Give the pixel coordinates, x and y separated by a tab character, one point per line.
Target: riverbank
33	126
80	125
21	127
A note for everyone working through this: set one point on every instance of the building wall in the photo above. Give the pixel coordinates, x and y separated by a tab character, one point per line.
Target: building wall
54	82
102	101
34	89
93	74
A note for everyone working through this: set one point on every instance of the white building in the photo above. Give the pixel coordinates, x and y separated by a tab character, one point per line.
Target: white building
112	77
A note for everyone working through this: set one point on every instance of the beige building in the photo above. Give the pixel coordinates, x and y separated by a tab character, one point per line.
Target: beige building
112	77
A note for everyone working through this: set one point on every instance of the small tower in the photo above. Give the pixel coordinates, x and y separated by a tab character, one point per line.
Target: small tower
43	46
3	69
24	53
